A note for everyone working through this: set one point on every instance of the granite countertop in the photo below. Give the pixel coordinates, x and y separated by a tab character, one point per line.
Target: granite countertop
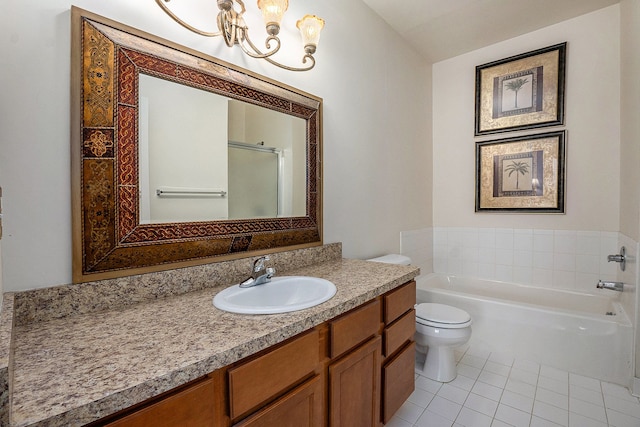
74	370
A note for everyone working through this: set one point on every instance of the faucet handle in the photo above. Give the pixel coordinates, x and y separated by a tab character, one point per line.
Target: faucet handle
258	265
621	258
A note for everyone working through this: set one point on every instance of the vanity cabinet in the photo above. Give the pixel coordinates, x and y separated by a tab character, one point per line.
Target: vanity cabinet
398	370
355	370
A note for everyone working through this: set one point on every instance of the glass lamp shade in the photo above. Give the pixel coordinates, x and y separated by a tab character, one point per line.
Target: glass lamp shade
272	10
310	27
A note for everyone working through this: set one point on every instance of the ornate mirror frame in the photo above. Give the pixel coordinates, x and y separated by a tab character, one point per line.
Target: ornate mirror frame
108	238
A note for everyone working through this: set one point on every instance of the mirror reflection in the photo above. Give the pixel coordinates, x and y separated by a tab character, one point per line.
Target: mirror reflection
204	157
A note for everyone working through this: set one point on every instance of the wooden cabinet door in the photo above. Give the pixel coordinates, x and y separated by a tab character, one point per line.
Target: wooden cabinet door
302	407
398	381
191	407
354	387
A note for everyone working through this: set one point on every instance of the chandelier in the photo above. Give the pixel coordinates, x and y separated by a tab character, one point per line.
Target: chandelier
234	31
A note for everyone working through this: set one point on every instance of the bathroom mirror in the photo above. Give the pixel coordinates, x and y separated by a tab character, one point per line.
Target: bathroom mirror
115	232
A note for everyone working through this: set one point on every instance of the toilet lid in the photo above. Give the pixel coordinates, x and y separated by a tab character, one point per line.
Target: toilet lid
441	315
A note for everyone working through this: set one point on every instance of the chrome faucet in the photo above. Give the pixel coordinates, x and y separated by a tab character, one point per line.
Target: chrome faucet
621	258
614	286
259	274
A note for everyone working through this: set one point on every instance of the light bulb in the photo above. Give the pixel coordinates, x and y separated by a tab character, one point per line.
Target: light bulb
310	27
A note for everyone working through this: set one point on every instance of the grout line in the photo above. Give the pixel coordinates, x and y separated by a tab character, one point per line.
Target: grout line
530	413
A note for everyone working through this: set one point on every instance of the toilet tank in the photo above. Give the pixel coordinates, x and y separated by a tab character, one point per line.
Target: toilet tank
392	259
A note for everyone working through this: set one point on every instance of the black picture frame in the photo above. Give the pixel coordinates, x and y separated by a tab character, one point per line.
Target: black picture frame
536	77
523	174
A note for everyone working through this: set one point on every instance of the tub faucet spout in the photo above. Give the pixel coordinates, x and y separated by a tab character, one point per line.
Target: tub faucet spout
614	286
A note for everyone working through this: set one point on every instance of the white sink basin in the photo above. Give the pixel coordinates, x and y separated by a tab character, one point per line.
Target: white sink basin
281	295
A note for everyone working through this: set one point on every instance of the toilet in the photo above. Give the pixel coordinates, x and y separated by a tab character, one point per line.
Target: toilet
440	329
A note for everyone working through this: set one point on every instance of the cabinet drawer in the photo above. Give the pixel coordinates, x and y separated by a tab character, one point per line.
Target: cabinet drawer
398	301
399	332
354	328
259	380
302	407
191	407
398	381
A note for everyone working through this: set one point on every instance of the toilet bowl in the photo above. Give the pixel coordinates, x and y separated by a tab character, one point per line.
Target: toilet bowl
439	330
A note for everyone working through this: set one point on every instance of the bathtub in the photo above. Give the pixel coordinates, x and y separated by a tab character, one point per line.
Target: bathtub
581	332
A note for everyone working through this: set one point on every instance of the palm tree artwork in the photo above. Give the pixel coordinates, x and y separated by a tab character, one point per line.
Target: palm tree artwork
515	85
519	168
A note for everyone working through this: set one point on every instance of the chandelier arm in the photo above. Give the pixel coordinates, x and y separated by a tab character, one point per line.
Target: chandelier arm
267	56
227	28
243	9
286	67
255	52
184	24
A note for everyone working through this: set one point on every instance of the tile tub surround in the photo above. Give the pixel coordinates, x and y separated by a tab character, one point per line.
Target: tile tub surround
551	258
72	370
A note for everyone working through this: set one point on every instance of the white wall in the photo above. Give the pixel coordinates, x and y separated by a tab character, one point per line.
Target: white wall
376	124
630	125
630	144
592	123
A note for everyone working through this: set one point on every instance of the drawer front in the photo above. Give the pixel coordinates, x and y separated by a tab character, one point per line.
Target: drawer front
259	380
398	381
354	328
399	332
302	407
398	301
191	407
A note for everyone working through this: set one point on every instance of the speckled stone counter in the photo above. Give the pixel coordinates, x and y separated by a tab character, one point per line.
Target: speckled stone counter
6	327
72	370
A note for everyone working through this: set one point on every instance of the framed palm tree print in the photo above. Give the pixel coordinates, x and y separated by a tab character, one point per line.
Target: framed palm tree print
521	174
521	92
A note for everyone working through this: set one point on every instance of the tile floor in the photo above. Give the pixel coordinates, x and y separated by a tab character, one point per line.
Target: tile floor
497	390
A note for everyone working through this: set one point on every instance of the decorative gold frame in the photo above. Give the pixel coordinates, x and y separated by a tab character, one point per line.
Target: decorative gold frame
539	76
537	161
108	239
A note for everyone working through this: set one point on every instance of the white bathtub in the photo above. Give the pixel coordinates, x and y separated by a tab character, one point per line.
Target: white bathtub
585	333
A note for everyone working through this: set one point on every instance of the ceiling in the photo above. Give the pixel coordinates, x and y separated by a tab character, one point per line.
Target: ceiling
441	29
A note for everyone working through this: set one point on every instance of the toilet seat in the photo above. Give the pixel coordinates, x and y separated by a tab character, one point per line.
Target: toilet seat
442	316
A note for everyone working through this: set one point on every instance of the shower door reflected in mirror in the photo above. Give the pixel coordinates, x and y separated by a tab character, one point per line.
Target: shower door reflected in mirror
254	176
